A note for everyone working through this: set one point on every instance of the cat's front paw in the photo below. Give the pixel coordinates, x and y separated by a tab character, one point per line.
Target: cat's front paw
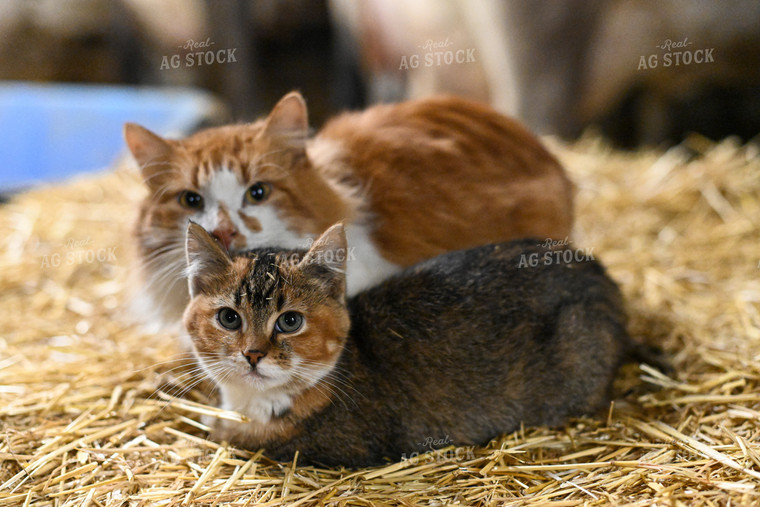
221	430
210	422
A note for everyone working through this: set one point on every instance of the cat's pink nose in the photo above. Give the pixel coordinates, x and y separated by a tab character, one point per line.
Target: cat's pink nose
254	356
225	235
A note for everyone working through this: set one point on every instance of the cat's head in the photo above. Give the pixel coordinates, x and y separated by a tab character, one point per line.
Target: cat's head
240	182
250	185
273	320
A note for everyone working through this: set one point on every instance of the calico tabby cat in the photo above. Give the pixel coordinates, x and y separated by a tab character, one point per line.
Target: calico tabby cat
457	349
410	180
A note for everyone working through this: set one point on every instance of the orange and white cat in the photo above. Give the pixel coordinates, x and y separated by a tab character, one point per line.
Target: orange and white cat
410	180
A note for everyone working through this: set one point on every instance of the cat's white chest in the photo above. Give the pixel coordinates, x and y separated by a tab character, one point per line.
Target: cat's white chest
365	267
259	406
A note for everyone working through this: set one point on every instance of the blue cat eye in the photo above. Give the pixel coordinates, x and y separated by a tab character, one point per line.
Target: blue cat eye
190	199
258	192
289	322
229	319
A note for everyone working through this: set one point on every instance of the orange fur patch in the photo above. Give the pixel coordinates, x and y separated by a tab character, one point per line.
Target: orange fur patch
251	222
443	174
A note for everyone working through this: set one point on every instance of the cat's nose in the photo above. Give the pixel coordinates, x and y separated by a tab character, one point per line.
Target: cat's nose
225	235
254	356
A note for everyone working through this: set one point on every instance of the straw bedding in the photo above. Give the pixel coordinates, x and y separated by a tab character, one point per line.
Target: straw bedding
83	392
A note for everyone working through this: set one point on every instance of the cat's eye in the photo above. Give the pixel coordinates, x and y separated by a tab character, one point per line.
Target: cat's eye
289	322
258	192
190	199
229	319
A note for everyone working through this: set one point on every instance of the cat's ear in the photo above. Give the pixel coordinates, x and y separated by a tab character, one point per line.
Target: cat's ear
149	150
326	259
289	120
206	259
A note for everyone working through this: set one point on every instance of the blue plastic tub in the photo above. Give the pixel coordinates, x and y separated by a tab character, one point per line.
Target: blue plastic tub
50	132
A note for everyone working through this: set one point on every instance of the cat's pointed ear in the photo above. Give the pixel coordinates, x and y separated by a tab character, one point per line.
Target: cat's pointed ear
149	150
326	259
206	259
329	250
289	119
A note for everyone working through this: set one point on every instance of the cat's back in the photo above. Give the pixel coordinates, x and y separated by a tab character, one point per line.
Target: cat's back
445	173
508	293
521	272
443	125
500	331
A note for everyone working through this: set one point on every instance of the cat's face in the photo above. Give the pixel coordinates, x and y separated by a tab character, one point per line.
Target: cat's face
272	322
239	182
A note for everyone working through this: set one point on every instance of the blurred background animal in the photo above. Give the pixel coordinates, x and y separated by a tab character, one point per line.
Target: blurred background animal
560	66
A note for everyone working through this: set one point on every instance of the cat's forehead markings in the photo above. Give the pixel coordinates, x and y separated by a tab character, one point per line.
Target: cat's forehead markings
242	292
248	285
224	186
263	279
